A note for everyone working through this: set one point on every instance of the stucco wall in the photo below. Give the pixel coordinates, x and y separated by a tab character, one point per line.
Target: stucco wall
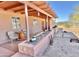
38	27
35	28
6	23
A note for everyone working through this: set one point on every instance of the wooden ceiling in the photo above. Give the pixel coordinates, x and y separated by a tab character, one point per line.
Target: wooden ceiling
45	6
12	5
16	6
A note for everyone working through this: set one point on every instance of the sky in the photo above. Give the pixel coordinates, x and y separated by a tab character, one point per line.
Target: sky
63	9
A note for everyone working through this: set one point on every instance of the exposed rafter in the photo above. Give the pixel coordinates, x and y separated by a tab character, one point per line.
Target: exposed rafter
30	9
37	8
21	11
18	10
18	7
38	2
5	4
33	6
1	1
13	6
44	6
41	4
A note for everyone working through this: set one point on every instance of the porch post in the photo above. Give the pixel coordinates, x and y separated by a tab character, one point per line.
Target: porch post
47	22
27	22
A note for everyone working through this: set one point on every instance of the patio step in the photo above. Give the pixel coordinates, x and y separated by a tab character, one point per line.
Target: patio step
5	52
18	54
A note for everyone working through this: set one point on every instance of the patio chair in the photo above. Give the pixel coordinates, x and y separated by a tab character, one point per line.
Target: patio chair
12	36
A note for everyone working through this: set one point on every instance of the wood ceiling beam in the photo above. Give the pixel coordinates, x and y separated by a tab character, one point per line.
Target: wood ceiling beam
13	6
35	15
18	7
47	9
37	8
18	10
40	4
6	3
21	11
30	10
1	1
32	5
44	6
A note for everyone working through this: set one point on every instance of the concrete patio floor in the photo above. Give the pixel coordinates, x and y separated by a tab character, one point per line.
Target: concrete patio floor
11	46
62	47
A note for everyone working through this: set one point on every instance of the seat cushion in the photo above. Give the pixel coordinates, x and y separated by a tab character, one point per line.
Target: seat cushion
5	52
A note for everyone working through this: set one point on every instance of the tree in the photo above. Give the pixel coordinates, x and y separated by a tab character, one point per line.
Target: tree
74	17
64	24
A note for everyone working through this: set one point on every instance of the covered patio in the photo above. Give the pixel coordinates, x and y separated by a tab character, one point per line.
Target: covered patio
35	21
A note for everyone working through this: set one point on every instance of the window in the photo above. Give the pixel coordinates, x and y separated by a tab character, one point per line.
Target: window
35	22
15	22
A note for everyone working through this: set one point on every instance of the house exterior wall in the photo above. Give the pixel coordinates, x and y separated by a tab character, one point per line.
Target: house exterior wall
6	23
35	28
